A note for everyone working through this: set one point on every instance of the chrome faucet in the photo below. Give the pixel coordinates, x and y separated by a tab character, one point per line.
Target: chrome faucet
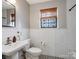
8	41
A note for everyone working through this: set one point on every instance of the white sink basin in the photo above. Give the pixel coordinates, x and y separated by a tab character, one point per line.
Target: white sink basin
11	49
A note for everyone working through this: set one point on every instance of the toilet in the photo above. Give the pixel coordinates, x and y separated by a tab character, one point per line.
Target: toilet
33	52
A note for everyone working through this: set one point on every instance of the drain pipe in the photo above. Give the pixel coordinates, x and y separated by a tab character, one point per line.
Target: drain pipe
23	54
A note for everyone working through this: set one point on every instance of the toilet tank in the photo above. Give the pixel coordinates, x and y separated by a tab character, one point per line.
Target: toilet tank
28	45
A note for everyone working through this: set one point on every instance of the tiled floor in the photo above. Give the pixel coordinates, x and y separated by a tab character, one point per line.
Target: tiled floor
48	57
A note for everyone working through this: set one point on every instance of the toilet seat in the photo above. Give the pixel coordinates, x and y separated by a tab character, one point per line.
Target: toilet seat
34	50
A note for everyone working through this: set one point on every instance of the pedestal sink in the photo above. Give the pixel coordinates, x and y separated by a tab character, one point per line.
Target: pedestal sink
12	49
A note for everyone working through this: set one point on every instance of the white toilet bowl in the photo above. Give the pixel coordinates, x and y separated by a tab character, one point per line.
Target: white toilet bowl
34	52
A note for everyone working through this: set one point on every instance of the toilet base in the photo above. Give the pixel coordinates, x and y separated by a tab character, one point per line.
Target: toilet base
33	58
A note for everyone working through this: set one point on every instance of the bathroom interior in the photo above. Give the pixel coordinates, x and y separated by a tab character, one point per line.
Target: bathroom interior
38	29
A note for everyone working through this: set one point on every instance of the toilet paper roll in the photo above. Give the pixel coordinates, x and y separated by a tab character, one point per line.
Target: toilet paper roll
43	43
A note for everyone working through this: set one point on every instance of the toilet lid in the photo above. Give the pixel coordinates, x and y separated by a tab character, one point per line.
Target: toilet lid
34	50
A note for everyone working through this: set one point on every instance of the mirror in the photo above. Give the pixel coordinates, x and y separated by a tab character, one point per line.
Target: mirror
8	14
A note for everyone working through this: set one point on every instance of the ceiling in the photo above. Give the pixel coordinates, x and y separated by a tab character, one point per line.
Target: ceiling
36	1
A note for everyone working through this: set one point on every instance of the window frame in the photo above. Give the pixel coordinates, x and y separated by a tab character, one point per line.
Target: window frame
41	20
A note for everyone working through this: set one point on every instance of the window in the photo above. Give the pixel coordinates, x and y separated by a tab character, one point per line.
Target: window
49	18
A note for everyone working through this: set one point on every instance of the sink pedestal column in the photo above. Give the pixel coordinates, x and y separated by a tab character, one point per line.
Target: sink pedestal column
14	56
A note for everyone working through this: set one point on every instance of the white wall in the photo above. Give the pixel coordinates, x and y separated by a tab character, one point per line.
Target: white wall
60	40
22	22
